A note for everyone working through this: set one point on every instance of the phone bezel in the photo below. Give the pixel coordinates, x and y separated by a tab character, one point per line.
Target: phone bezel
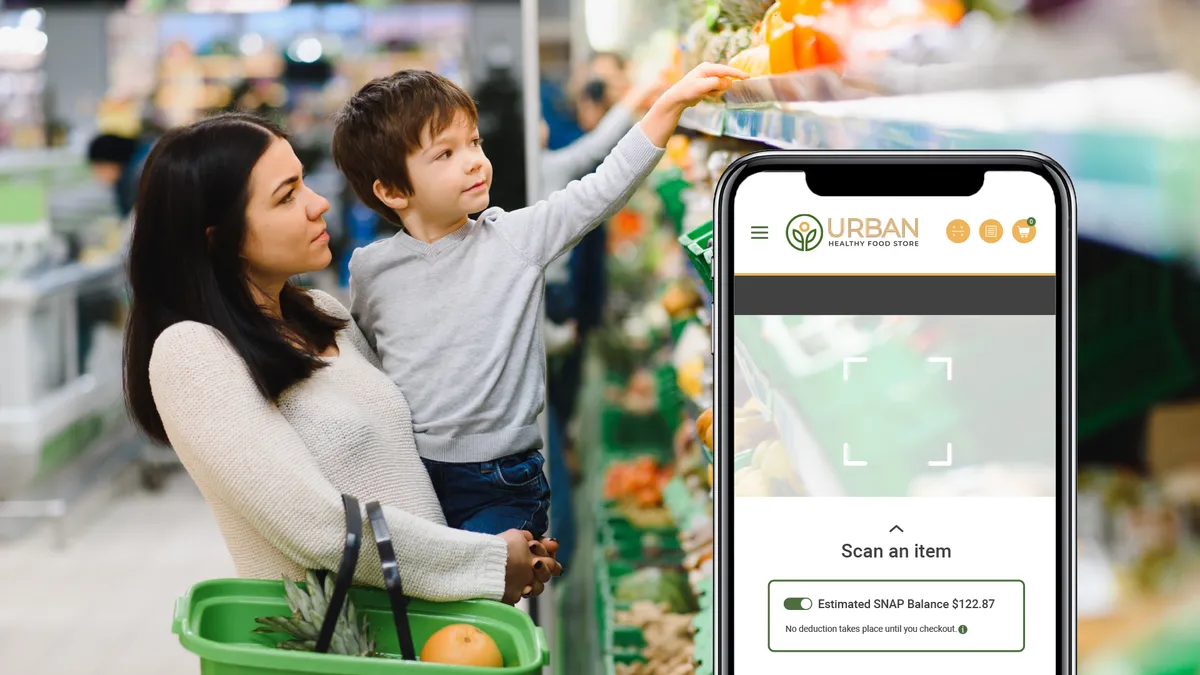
800	160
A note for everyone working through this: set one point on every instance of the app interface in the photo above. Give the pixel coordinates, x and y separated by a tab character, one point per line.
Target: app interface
895	432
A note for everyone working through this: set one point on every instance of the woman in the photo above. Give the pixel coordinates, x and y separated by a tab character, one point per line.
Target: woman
270	394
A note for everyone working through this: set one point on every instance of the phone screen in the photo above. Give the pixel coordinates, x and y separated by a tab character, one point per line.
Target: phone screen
894	397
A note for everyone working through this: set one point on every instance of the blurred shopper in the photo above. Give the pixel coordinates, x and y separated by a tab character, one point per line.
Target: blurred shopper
576	285
564	346
559	116
602	83
117	162
502	128
269	394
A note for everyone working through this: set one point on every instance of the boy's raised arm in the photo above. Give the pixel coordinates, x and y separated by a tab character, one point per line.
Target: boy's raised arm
549	228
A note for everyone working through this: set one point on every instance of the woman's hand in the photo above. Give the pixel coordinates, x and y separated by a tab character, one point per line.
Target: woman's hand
641	98
530	565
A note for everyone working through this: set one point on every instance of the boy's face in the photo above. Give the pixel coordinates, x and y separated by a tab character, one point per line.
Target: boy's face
451	177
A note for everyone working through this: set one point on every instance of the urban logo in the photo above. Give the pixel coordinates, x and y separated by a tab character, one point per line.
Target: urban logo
804	232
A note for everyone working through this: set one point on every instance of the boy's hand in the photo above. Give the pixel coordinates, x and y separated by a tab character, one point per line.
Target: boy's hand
704	80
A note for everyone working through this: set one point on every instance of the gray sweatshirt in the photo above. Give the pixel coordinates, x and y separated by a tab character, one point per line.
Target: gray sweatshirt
457	324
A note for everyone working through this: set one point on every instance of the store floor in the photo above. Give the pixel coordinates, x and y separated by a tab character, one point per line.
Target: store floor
102	605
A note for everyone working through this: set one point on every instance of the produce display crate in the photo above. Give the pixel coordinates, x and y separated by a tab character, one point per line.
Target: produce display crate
654	546
705	631
678	326
698	245
622	549
644	432
670	398
670	186
620	644
607	455
215	621
1136	340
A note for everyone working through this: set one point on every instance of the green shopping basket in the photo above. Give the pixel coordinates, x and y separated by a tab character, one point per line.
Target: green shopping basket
216	620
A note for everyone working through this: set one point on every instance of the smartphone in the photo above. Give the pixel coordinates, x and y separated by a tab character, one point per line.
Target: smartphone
895	465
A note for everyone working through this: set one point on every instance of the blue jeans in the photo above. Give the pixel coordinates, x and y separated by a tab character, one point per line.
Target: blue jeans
510	493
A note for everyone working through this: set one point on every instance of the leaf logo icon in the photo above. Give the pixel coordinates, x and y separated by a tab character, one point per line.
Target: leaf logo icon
804	232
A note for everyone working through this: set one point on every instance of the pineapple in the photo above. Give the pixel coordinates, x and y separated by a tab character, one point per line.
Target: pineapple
741	40
351	637
695	44
743	13
728	44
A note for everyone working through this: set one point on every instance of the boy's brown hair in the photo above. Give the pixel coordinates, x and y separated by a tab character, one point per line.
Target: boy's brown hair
380	127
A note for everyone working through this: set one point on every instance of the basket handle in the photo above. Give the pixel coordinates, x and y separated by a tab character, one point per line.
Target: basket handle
345	575
391	580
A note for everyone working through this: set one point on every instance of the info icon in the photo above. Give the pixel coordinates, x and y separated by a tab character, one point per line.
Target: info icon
991	231
958	231
1024	230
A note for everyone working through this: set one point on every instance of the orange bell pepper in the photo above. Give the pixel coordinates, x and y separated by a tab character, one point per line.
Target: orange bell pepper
805	45
828	51
805	7
781	45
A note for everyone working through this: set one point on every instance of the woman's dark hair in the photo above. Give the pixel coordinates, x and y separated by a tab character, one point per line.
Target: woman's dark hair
197	177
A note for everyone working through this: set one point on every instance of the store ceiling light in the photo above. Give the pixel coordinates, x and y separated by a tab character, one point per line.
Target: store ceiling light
22	41
235	6
251	44
308	50
604	19
31	19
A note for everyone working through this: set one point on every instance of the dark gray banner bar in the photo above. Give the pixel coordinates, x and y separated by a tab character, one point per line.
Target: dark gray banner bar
910	295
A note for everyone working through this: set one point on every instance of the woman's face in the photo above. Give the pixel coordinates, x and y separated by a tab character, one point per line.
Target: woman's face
285	224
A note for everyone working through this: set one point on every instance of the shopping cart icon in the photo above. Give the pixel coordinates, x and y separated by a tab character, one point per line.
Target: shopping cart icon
1025	230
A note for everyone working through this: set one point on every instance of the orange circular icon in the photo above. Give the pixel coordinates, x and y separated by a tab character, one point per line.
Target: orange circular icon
958	231
1024	230
991	231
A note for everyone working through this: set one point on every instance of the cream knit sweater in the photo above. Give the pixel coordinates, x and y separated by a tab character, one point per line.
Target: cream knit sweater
274	474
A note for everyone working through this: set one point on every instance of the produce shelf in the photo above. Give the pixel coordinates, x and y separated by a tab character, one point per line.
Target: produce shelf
1129	142
623	549
702	285
698	246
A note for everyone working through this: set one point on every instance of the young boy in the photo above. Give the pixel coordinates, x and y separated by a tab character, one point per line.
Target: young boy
453	305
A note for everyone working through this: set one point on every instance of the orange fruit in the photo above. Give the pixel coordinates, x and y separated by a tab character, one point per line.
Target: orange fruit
704	422
462	644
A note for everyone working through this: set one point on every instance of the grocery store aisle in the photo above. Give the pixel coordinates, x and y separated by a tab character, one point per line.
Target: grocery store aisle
103	605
